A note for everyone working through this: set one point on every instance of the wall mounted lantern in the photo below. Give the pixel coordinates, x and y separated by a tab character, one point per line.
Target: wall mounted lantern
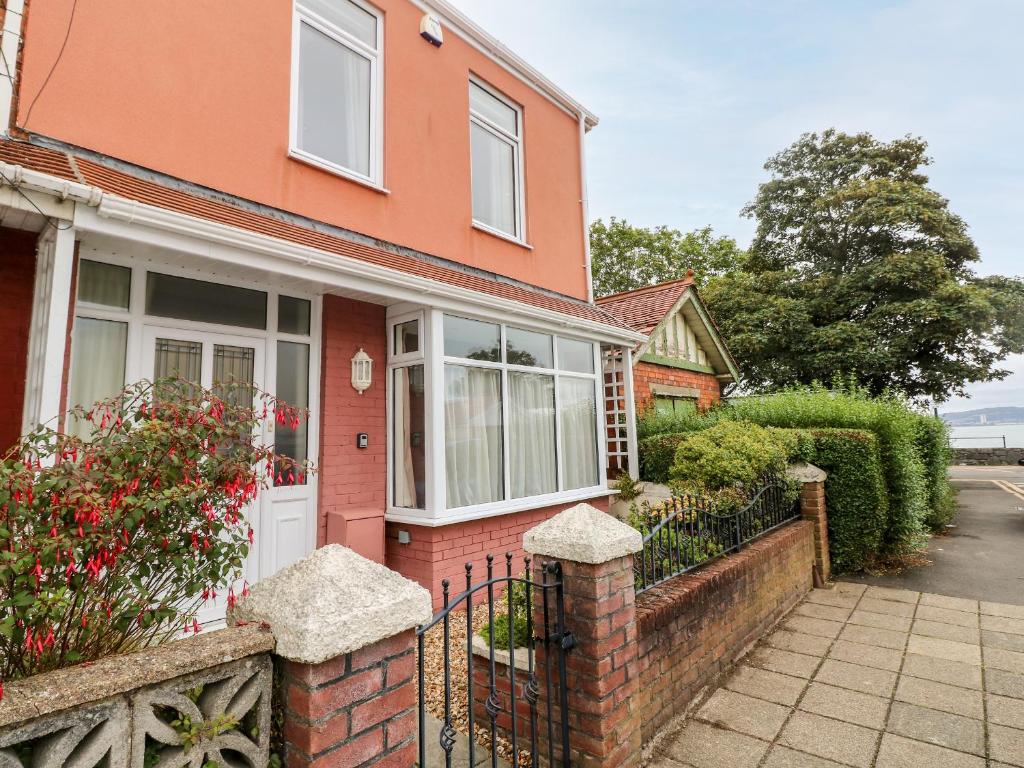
362	371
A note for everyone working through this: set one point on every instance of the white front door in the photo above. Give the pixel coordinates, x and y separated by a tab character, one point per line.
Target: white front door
211	360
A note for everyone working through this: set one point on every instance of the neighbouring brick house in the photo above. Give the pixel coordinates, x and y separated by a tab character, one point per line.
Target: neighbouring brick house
279	194
684	361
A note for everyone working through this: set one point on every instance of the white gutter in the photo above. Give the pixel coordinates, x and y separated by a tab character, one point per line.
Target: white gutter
10	40
409	287
585	205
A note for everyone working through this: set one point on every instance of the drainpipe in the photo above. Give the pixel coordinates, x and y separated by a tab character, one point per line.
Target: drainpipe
585	208
10	40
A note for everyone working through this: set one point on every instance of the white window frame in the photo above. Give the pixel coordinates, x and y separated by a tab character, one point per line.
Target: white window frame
516	142
300	16
432	357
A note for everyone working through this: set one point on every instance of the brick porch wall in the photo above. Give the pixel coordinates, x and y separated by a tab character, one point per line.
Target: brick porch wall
352	480
645	374
17	278
435	554
695	627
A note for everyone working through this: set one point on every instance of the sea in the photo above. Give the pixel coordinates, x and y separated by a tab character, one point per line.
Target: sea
987	436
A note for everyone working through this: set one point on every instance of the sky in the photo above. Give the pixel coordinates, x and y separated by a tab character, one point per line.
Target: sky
694	95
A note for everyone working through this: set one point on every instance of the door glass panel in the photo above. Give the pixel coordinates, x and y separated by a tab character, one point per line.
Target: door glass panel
186	299
293	388
233	374
177	360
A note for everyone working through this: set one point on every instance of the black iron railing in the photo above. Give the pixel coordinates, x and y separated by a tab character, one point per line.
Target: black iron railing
687	531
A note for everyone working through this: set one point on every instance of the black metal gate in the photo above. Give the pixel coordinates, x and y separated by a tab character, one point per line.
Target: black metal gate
537	733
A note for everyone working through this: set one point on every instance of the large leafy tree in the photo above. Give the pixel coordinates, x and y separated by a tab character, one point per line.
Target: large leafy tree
859	268
625	257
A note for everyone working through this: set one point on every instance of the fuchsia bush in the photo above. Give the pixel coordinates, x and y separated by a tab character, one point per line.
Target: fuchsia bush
115	541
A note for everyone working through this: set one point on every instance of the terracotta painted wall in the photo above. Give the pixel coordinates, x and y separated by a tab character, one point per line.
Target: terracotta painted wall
201	91
352	480
645	374
17	276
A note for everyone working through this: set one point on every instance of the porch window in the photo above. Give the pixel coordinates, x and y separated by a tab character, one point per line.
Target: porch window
495	127
336	87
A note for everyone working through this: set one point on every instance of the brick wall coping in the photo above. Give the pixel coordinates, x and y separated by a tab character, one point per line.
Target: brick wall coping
661	604
583	534
806	473
333	602
482	649
68	688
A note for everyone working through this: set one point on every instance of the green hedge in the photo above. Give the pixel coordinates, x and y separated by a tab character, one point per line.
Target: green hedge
855	495
933	443
657	454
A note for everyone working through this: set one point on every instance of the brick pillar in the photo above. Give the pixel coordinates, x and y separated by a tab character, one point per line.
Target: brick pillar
345	647
595	552
812	507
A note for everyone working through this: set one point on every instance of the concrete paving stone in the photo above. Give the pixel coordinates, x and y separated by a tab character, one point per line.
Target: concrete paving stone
949	650
1004	683
943	671
798	642
809	626
946	631
877	682
954	603
819	611
880	620
1003	624
663	762
704	746
848	706
784	757
831	597
940	728
1006	744
867	655
850	588
992	764
889	593
842	742
785	662
754	717
886	606
899	752
947	616
948	698
1003	640
1003	710
770	686
884	638
1008	661
1002	609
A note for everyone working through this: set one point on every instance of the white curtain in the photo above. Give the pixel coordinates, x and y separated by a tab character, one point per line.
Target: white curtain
493	180
408	422
472	418
98	358
531	415
334	101
578	414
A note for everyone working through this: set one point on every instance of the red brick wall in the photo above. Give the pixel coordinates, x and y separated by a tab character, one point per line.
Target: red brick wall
352	480
17	278
645	374
694	627
435	554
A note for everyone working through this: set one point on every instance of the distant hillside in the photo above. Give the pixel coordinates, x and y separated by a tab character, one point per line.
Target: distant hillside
1005	415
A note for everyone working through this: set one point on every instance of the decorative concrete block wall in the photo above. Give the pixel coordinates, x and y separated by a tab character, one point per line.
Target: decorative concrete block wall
988	456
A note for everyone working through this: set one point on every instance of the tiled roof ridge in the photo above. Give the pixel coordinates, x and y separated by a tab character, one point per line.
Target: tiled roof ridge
64	163
687	280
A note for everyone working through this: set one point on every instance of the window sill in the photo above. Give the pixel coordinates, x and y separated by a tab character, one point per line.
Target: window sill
336	170
501	235
482	511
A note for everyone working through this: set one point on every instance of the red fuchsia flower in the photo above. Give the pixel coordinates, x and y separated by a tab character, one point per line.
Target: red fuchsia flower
196	629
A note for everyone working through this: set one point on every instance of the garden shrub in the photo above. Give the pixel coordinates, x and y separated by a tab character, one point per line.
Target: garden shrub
113	541
657	453
855	495
683	419
497	634
933	443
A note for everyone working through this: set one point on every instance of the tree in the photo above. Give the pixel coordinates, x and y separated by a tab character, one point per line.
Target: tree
624	257
859	268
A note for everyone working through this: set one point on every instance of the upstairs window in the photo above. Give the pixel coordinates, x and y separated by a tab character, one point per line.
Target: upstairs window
336	87
496	129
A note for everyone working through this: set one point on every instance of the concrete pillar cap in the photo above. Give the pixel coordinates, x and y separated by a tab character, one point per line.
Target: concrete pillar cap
583	534
806	473
333	602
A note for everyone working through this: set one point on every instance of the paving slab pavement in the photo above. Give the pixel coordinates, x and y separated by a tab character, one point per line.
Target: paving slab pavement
862	676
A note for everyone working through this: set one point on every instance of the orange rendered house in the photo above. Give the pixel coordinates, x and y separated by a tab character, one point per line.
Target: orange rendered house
385	228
